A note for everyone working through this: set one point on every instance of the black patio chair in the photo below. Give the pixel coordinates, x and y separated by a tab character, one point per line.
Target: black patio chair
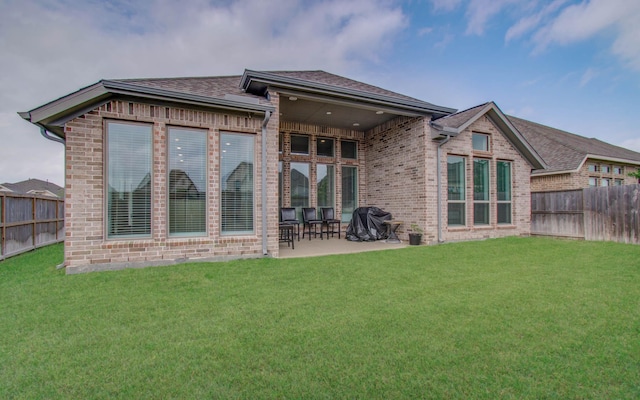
288	216
310	219
330	221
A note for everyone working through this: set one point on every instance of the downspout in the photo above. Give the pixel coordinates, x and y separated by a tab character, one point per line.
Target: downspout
439	181
47	135
267	116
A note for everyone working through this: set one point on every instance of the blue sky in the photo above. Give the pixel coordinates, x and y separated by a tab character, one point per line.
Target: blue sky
573	65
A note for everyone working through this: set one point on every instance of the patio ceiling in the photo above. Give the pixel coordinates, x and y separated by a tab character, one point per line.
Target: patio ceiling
336	113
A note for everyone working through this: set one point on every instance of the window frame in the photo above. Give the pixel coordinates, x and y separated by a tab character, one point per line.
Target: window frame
461	204
252	139
355	149
333	147
205	170
486	141
107	183
307	138
510	192
346	216
299	207
486	203
332	168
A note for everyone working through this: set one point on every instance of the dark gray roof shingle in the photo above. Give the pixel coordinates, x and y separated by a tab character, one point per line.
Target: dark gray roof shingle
564	151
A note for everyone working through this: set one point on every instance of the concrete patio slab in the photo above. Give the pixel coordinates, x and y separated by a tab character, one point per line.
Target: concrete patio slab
318	247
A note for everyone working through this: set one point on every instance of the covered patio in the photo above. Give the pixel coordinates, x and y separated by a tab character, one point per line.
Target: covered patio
317	247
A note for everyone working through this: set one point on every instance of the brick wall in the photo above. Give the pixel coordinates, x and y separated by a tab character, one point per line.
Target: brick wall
86	246
501	149
397	175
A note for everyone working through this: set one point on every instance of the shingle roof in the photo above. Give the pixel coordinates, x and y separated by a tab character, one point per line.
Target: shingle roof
564	151
458	119
219	86
340	82
209	86
24	187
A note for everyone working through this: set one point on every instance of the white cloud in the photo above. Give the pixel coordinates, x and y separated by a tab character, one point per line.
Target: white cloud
582	21
53	47
588	75
445	5
479	12
532	21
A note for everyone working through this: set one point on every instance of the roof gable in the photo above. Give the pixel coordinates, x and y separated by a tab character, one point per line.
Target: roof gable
454	124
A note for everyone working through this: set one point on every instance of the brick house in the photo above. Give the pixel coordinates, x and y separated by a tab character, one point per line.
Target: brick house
576	162
246	145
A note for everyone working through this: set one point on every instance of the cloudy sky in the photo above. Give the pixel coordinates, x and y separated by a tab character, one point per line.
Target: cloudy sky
573	65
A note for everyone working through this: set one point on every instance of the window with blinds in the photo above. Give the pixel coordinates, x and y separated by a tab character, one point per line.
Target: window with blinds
129	166
187	152
236	183
456	193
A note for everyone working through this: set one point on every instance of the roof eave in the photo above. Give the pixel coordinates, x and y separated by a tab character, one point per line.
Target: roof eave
261	81
54	114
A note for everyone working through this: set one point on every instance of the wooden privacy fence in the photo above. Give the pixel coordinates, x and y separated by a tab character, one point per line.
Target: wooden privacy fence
28	222
598	213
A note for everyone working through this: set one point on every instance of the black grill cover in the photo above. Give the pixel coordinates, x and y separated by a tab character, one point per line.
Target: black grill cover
367	224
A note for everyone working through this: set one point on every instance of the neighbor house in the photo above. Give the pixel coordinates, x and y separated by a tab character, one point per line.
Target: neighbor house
576	162
164	170
33	187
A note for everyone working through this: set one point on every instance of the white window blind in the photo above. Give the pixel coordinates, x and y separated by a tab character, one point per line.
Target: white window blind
236	169
129	183
187	150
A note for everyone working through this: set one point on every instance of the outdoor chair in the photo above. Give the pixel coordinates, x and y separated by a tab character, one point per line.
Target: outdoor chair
330	221
310	219
288	216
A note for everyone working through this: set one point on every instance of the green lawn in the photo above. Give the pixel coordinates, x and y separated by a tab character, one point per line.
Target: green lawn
510	318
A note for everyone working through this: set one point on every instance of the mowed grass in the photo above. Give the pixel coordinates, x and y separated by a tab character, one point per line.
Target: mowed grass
509	318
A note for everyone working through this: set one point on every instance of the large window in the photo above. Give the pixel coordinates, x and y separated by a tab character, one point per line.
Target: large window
349	192
129	165
455	190
187	182
300	186
481	192
325	184
503	183
236	185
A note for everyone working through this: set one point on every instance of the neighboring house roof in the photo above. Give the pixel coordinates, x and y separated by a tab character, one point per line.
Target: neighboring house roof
454	124
566	152
35	186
